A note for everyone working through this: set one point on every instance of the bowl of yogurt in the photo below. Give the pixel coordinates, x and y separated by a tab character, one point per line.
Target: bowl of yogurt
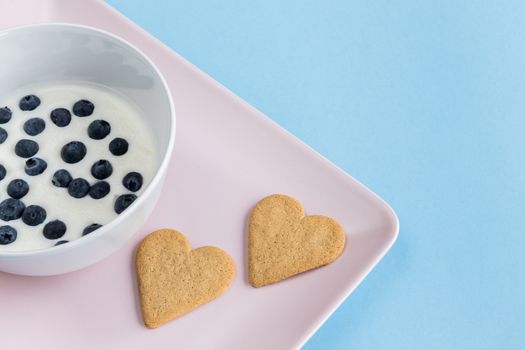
87	128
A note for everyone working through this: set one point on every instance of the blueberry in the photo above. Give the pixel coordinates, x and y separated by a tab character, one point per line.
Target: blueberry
118	146
101	169
99	129
78	188
34	126
29	103
34	215
3	172
61	117
17	188
99	190
7	235
90	229
61	242
133	181
73	152
3	135
11	209
26	148
54	229
83	108
61	178
123	201
5	115
35	166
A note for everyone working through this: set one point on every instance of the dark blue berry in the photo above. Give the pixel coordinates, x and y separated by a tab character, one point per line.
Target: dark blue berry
17	188
29	103
5	115
78	188
83	108
7	234
3	172
90	229
3	135
11	209
123	201
73	152
26	148
101	169
99	190
34	215
118	146
99	129
34	126
61	117
133	181
61	242
54	229
35	166
61	178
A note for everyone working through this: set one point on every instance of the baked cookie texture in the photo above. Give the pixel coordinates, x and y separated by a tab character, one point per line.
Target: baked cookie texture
283	242
173	279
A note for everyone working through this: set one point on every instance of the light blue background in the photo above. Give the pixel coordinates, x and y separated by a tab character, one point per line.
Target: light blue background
424	102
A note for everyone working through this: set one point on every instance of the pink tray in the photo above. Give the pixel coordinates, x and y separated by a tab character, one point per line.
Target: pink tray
227	156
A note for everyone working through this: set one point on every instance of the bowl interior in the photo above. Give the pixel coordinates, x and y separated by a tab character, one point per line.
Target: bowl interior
62	52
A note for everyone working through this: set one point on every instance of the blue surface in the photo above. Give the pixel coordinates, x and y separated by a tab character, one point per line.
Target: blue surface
424	102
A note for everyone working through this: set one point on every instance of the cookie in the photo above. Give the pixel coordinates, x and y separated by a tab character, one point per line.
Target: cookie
283	242
173	279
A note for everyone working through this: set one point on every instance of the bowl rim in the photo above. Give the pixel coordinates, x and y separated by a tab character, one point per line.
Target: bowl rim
160	172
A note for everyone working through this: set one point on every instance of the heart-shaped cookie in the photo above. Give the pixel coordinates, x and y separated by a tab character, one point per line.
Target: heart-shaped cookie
284	242
173	279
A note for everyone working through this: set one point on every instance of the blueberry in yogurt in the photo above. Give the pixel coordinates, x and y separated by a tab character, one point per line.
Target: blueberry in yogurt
83	108
17	188
90	228
73	152
99	129
35	166
133	181
34	126
26	148
7	235
5	115
29	103
34	215
118	146
123	202
101	169
78	188
76	155
61	178
54	229
60	117
99	190
11	209
3	135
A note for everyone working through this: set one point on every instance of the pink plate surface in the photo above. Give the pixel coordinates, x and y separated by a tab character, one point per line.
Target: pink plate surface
227	156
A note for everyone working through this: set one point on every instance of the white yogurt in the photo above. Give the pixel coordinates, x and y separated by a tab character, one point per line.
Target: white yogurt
77	213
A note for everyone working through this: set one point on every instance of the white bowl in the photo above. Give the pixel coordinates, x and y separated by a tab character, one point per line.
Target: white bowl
66	52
